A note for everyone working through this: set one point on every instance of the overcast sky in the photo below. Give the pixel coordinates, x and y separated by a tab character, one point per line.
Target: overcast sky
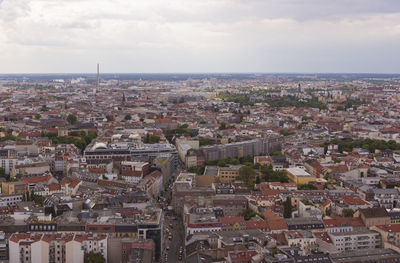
39	36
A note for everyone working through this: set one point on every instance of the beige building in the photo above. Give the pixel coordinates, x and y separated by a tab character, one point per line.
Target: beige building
13	188
34	168
389	233
373	216
299	176
302	239
228	174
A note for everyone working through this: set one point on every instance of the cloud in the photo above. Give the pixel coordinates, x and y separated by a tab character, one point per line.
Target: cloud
207	35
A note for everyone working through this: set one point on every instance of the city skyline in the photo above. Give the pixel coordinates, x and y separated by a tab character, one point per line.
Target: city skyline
196	37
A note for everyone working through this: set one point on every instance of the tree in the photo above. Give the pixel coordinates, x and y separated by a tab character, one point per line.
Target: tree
71	119
92	257
38	199
277	153
286	132
287	208
248	214
270	175
348	212
247	174
38	116
221	163
151	139
44	108
128	117
340	108
3	173
306	187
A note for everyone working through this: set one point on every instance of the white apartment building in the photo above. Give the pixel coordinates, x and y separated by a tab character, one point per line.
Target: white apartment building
57	248
361	238
10	200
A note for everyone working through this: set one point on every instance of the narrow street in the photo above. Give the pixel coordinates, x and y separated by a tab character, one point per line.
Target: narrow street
171	247
172	224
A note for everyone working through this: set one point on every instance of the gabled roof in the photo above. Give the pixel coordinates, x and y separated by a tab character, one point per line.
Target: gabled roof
390	228
374	212
37	179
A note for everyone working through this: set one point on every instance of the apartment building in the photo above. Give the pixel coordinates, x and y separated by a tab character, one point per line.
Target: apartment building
387	198
361	238
299	176
302	239
374	216
10	200
57	248
133	172
12	188
389	233
228	174
240	149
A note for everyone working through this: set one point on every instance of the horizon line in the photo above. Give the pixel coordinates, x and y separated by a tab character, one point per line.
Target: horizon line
198	73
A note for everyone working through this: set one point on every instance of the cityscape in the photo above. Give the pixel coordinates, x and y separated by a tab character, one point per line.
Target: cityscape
200	168
214	131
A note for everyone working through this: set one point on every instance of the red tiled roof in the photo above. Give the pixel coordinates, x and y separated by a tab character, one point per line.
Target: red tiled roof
16	237
324	236
352	200
257	225
340	221
37	179
232	220
277	224
54	187
241	256
390	228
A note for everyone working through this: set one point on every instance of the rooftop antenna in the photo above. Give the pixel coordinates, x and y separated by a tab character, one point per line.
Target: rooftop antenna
98	75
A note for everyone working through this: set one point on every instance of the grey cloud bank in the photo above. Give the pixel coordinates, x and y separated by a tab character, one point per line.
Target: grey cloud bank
199	36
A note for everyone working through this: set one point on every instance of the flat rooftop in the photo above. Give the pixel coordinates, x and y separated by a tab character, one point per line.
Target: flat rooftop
298	172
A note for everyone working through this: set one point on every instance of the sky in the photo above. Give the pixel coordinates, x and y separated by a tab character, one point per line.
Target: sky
193	36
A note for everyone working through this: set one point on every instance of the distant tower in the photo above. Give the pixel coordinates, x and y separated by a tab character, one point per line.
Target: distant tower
299	88
123	98
98	75
98	79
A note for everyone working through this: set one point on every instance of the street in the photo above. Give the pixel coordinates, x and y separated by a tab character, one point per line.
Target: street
172	229
171	247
